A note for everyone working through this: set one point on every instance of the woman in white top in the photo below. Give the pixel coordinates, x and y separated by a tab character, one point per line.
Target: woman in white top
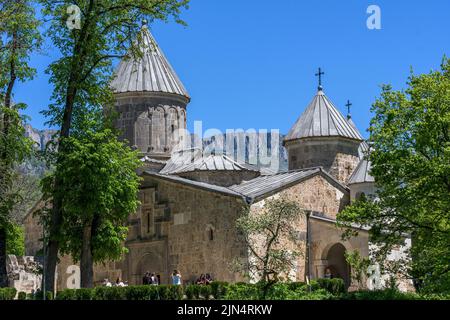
176	278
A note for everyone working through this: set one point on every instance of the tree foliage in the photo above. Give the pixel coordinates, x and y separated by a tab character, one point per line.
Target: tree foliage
82	75
18	38
99	188
267	234
410	134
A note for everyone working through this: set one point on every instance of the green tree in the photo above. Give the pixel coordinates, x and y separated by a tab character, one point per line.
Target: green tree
15	240
18	38
410	133
267	234
82	75
359	266
99	187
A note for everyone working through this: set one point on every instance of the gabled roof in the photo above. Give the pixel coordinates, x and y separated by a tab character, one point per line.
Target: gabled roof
195	184
361	173
322	119
258	188
267	185
214	163
191	160
150	73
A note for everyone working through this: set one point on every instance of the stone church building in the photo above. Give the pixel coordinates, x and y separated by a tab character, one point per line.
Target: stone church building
190	201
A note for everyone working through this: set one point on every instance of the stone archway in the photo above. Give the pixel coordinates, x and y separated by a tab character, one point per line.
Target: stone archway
150	262
337	263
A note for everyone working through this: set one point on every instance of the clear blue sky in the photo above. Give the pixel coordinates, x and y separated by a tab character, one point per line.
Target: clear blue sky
251	64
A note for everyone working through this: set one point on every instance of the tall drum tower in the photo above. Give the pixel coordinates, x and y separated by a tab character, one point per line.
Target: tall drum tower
151	101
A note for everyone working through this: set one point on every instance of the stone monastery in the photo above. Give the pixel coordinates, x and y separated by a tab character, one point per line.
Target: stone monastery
190	201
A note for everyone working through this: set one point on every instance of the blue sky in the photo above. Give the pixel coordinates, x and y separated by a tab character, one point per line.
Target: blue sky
251	64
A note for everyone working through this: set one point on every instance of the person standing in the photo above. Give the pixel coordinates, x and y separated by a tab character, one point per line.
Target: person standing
176	278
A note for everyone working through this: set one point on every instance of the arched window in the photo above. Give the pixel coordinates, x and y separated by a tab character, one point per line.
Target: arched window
360	195
210	233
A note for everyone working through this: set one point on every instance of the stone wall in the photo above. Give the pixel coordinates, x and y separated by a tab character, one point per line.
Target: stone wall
315	194
151	121
184	228
324	235
33	232
337	156
24	273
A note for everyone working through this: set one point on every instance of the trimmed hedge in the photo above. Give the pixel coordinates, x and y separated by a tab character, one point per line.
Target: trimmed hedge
7	293
328	289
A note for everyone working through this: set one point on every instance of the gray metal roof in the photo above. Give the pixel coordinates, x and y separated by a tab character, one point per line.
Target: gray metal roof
363	150
214	163
180	159
196	184
361	173
257	188
264	185
193	160
322	119
150	73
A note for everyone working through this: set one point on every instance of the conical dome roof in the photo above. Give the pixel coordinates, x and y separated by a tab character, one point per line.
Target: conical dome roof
322	119
150	73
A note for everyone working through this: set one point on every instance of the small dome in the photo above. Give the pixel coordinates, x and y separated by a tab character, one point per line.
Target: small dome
322	119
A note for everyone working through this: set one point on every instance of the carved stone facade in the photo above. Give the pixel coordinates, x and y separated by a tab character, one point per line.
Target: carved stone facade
338	156
151	122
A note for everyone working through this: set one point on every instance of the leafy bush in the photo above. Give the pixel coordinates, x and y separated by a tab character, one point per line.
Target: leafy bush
192	291
109	293
387	294
22	296
141	293
242	291
68	294
218	289
317	290
7	293
333	286
205	292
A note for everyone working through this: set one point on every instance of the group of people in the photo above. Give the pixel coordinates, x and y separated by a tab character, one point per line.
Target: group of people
151	279
154	279
118	283
204	279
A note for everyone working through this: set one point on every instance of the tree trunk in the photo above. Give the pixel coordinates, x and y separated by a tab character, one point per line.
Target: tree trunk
5	161
3	274
86	261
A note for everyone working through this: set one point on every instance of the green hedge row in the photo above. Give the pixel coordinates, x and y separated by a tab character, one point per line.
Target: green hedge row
216	290
7	293
162	292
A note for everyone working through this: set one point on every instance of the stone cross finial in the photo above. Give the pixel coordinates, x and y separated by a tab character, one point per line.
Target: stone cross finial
319	74
348	105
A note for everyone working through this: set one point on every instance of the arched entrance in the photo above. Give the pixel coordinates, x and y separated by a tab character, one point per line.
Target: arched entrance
337	263
150	262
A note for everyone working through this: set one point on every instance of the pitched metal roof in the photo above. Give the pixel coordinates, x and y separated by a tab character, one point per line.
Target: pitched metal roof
264	185
193	160
361	173
322	119
150	73
196	184
363	150
214	163
257	188
180	159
